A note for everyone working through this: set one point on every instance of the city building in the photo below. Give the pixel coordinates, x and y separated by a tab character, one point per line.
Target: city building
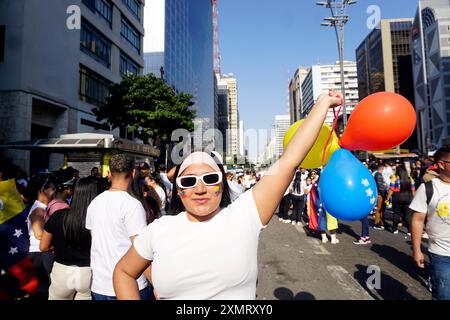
241	139
282	123
384	63
233	114
267	156
178	46
295	94
431	73
322	78
223	107
57	59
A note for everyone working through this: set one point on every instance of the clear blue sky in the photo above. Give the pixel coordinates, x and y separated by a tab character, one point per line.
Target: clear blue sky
262	42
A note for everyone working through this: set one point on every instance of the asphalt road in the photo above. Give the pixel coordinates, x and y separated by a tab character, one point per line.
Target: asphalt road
295	265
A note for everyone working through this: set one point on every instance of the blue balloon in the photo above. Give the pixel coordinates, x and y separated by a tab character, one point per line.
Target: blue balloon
347	189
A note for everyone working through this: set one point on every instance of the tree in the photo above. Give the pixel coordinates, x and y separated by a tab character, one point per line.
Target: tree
148	107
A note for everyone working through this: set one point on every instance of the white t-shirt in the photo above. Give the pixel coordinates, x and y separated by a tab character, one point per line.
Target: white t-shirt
235	190
166	182
216	259
302	189
438	212
162	197
34	243
307	188
246	181
304	176
387	173
112	217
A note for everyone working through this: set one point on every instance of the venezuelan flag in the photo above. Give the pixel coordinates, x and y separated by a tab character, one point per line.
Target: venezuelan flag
14	240
319	218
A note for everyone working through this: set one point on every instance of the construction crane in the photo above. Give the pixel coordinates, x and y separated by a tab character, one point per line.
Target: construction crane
217	56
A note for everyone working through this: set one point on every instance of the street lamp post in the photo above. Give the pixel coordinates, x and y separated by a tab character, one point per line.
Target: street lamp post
338	20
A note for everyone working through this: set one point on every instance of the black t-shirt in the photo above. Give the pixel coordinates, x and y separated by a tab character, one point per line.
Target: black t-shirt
65	254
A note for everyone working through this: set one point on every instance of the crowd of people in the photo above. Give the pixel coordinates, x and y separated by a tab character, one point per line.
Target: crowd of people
63	254
417	196
138	234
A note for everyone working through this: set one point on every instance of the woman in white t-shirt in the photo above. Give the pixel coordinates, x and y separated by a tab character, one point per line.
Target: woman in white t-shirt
209	249
42	189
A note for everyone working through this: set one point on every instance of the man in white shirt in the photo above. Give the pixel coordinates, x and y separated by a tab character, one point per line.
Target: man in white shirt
434	204
166	181
114	218
387	173
235	188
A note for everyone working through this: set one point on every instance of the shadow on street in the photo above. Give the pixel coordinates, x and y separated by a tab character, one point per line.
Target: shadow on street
404	262
389	289
287	294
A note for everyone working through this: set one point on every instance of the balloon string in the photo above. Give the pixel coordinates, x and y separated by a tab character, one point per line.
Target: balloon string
336	117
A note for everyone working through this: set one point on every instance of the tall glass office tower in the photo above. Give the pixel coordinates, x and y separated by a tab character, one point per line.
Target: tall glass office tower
179	42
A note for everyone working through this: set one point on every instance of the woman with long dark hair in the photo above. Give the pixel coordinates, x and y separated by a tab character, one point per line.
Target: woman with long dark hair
402	189
298	198
154	180
65	232
41	190
147	196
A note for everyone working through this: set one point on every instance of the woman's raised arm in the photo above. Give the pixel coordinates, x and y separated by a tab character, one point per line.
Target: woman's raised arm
270	189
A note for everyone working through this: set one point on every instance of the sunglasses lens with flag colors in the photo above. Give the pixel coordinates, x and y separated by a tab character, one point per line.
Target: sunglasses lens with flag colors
209	179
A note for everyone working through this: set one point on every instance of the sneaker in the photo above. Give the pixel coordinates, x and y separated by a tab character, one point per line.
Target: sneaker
294	223
324	239
299	224
361	241
409	234
378	227
395	231
280	219
425	235
287	221
334	241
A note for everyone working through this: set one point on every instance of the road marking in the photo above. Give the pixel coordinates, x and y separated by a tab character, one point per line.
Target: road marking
319	249
349	285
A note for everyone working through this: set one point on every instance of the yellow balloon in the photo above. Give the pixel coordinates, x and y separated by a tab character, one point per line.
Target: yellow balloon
314	157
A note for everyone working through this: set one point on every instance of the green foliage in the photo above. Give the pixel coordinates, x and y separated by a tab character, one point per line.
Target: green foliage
148	107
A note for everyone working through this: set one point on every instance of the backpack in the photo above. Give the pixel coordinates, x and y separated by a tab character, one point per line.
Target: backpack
429	191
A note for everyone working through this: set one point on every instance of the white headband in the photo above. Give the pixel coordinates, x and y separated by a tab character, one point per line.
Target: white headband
198	157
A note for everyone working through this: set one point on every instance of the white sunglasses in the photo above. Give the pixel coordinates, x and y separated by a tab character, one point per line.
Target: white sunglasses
208	179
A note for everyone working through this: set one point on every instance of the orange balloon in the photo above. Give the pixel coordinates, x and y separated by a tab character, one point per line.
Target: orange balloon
380	121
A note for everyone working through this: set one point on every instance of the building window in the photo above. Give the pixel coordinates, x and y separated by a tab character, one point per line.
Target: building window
101	7
2	43
93	87
95	125
95	44
131	35
127	65
134	6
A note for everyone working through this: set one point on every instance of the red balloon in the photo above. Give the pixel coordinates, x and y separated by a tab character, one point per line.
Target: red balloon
380	121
